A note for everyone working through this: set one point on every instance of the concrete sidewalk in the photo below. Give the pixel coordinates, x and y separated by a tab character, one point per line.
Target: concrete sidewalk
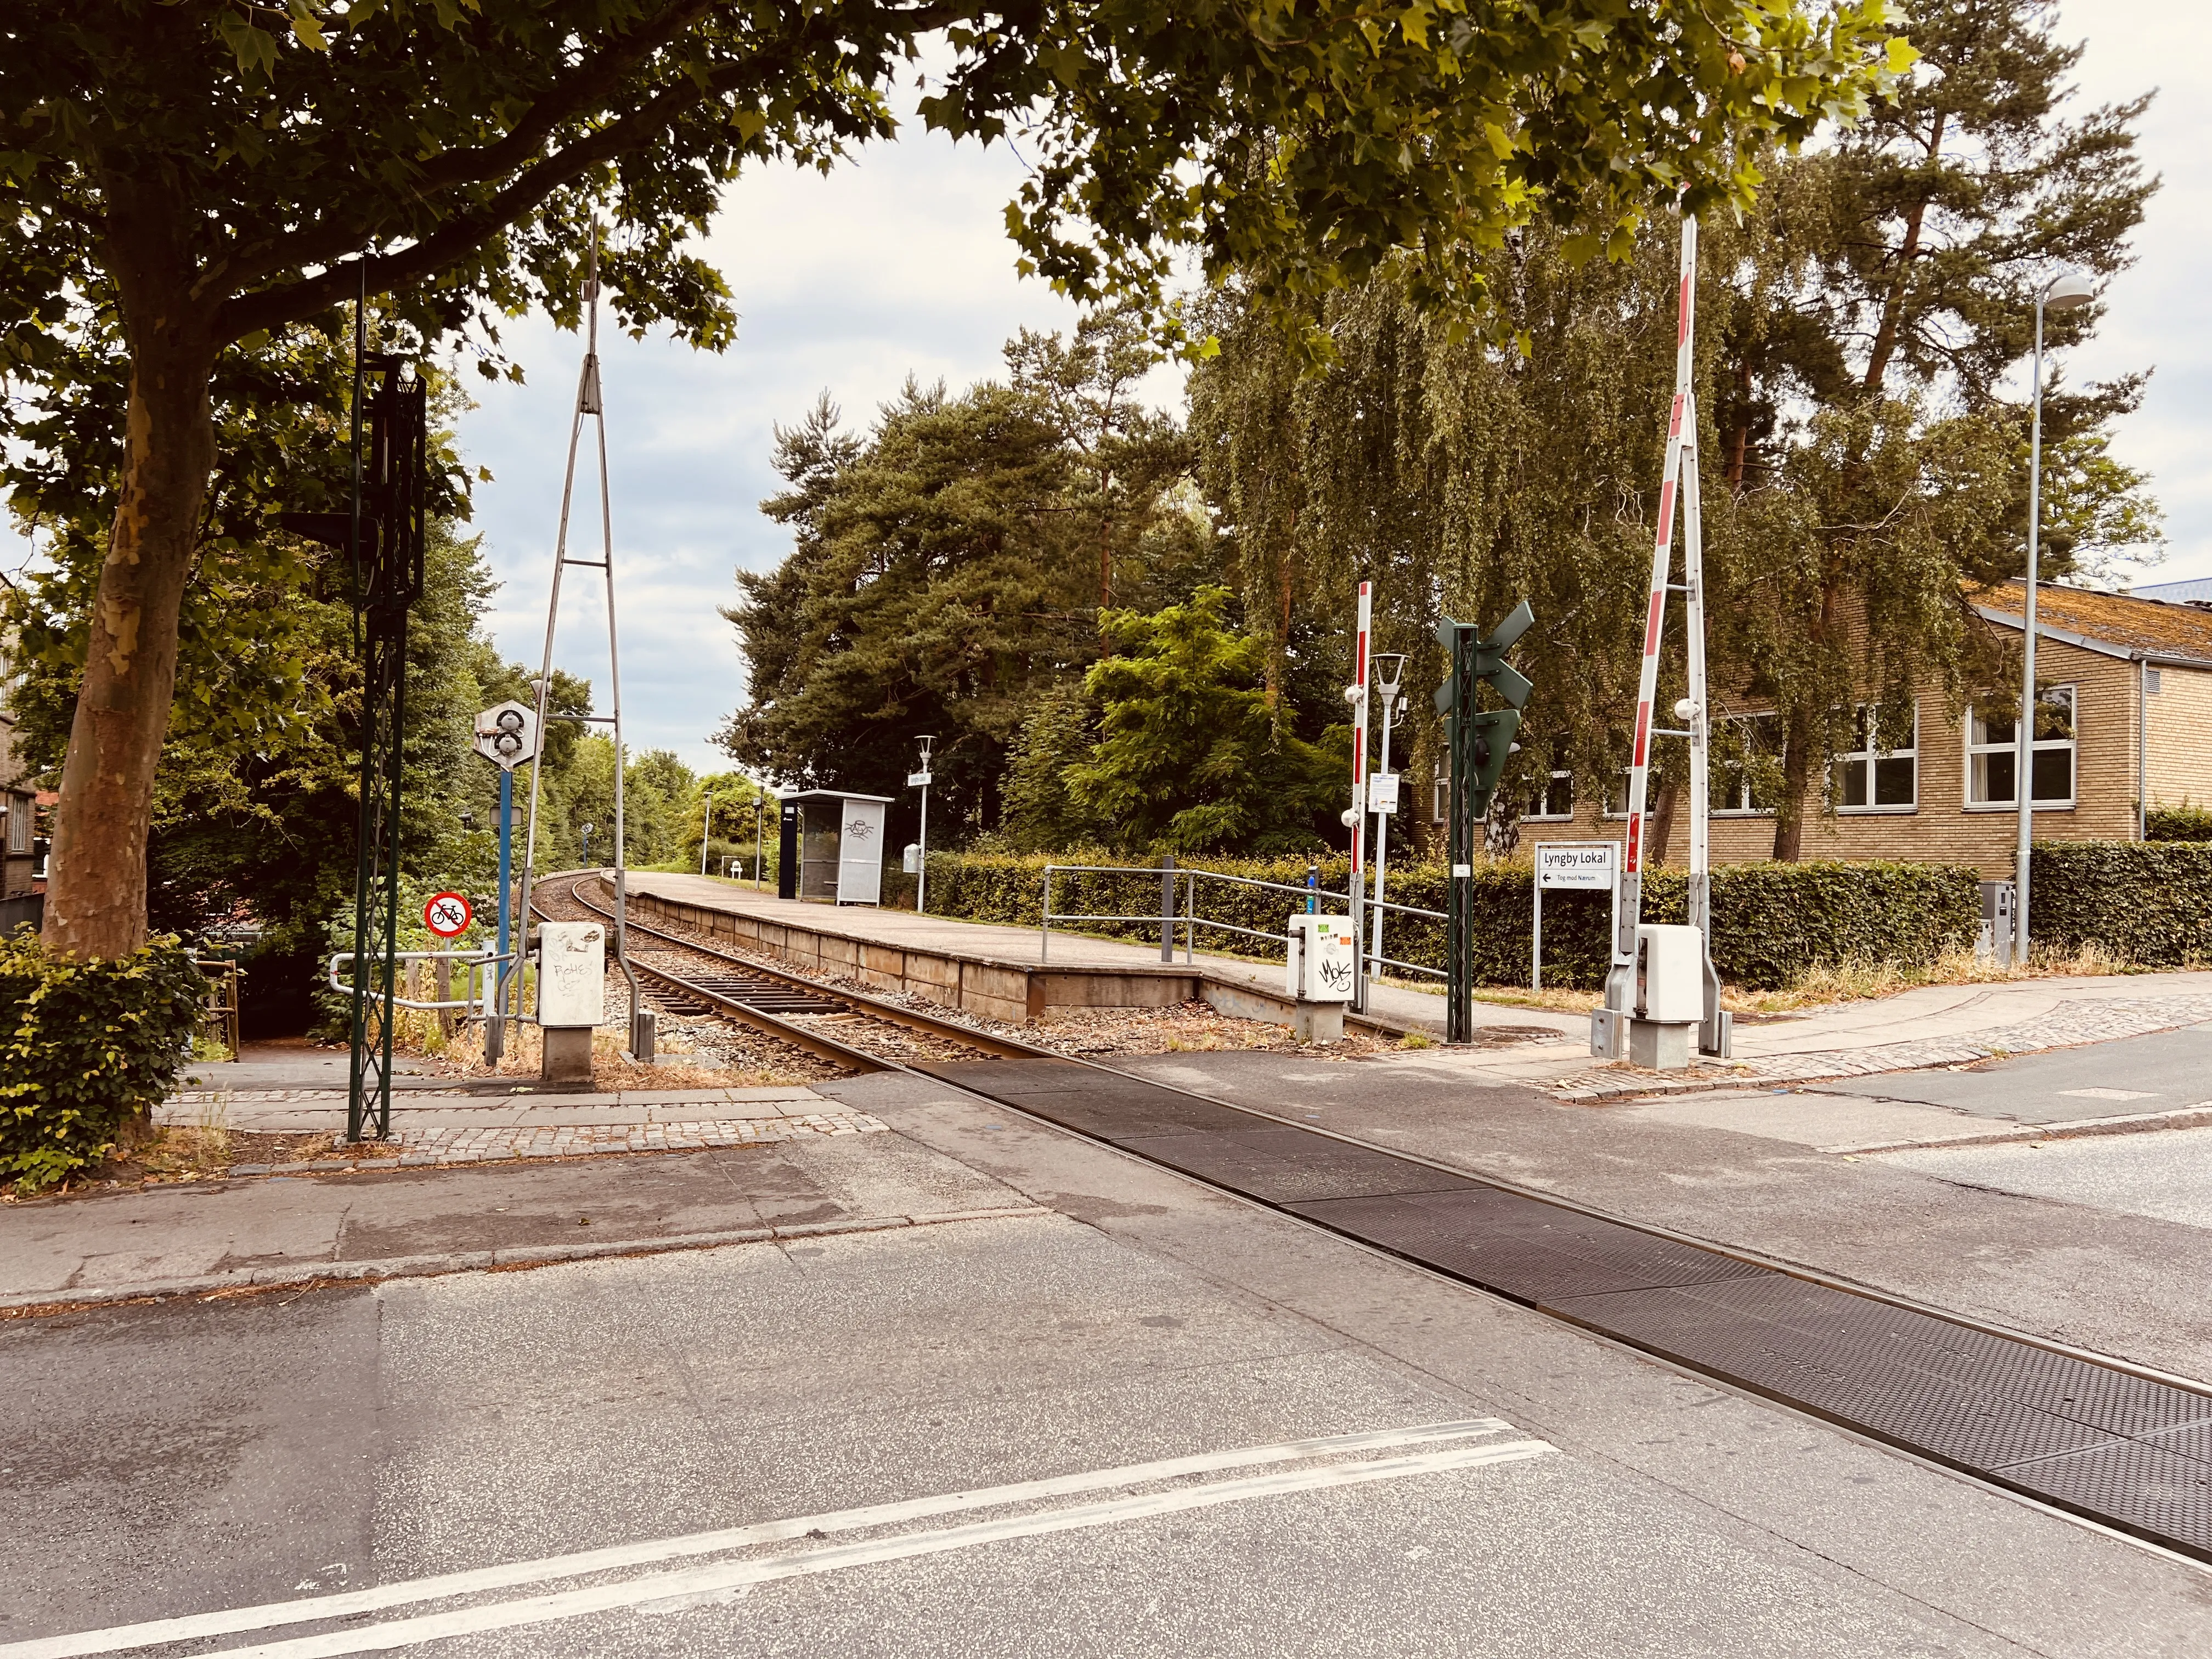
201	1237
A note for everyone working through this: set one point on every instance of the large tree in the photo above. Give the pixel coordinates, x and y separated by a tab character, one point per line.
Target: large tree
1898	274
177	171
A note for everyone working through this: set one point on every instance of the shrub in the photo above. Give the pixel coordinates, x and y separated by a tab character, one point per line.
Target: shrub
2182	823
84	1047
1771	921
2149	903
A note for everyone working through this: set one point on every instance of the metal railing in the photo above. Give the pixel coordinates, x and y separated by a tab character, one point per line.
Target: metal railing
220	1017
1182	913
477	1002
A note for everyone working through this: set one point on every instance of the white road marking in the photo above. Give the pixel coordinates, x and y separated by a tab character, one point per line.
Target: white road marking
2107	1094
691	1585
271	1615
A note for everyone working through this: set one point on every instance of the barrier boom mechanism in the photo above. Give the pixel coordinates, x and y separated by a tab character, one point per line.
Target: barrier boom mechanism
1678	482
1477	742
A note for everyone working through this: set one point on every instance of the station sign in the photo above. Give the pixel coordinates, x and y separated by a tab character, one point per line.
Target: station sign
1577	866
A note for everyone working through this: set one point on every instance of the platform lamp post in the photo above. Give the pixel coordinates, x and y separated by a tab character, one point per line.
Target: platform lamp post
921	845
1389	675
585	857
760	809
706	830
2064	292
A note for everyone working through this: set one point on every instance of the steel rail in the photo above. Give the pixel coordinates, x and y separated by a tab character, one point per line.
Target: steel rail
822	1047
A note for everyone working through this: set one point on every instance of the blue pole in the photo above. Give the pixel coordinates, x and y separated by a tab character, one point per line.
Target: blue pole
506	852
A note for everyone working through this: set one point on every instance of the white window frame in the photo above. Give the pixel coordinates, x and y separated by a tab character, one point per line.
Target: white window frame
1559	773
1870	713
2072	746
19	810
1746	810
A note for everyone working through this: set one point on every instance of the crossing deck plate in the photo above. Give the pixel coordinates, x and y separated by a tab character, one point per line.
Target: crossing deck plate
2129	1451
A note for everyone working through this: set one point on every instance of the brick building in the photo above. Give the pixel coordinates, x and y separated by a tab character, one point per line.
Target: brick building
2125	724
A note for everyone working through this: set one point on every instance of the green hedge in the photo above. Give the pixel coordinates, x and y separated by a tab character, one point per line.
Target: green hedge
1771	921
85	1045
2182	823
2149	901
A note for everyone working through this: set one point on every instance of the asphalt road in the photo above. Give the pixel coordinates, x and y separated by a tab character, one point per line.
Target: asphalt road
211	1458
2163	1072
2167	1175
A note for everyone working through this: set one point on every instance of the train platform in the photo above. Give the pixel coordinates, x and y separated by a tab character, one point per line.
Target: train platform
1011	973
1026	955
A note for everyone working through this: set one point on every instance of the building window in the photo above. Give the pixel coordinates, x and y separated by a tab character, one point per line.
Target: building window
1746	763
1992	752
1555	801
1441	811
16	811
1881	771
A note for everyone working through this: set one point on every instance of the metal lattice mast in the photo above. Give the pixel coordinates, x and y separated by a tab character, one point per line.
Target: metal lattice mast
385	539
589	405
1679	480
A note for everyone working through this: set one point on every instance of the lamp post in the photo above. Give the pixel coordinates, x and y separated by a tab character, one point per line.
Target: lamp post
2062	293
760	807
921	857
585	857
1390	674
706	830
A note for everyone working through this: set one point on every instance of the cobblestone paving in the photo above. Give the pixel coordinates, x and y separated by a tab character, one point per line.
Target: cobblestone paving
2070	1024
419	1147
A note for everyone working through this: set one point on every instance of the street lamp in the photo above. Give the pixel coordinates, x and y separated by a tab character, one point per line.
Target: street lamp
921	847
2062	293
1389	671
586	856
706	831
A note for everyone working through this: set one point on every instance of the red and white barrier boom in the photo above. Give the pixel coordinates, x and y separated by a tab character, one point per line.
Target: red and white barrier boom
1610	1024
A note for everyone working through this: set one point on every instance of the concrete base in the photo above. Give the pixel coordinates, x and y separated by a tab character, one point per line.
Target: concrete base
568	1054
1659	1047
1317	1022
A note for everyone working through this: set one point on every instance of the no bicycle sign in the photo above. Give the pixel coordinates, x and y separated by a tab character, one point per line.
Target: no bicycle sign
447	916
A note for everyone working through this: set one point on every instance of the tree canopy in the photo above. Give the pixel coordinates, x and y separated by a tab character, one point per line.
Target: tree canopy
187	181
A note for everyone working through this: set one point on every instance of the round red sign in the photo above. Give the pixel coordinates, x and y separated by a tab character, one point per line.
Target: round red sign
447	916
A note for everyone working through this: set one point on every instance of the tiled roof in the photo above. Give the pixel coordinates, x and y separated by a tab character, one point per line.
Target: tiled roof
2128	623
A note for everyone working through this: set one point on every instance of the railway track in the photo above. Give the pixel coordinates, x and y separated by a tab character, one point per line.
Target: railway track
846	1028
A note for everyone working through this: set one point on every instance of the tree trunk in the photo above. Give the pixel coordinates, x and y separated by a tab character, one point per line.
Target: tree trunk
1796	774
1892	304
96	893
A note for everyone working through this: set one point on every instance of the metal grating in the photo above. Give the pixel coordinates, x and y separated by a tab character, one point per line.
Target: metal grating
2126	1450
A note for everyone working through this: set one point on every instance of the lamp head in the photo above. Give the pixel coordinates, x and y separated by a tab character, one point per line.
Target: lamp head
2067	289
1389	669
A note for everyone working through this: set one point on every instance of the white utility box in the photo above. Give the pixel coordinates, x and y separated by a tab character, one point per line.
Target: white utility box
1670	975
572	973
1320	965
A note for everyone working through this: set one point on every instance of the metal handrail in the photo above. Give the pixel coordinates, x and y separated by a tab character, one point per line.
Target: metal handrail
474	960
1190	921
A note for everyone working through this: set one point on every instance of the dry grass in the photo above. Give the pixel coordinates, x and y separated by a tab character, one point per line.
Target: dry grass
1860	981
525	1051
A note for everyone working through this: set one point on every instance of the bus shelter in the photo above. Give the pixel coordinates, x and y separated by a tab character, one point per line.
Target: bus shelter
832	847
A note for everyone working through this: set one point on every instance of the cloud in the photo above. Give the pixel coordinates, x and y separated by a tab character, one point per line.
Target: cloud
2153	311
897	264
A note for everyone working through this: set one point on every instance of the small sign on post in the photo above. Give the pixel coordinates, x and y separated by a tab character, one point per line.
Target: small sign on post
1382	792
1585	866
447	914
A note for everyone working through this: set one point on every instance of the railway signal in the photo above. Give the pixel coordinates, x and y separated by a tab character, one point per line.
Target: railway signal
1478	741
